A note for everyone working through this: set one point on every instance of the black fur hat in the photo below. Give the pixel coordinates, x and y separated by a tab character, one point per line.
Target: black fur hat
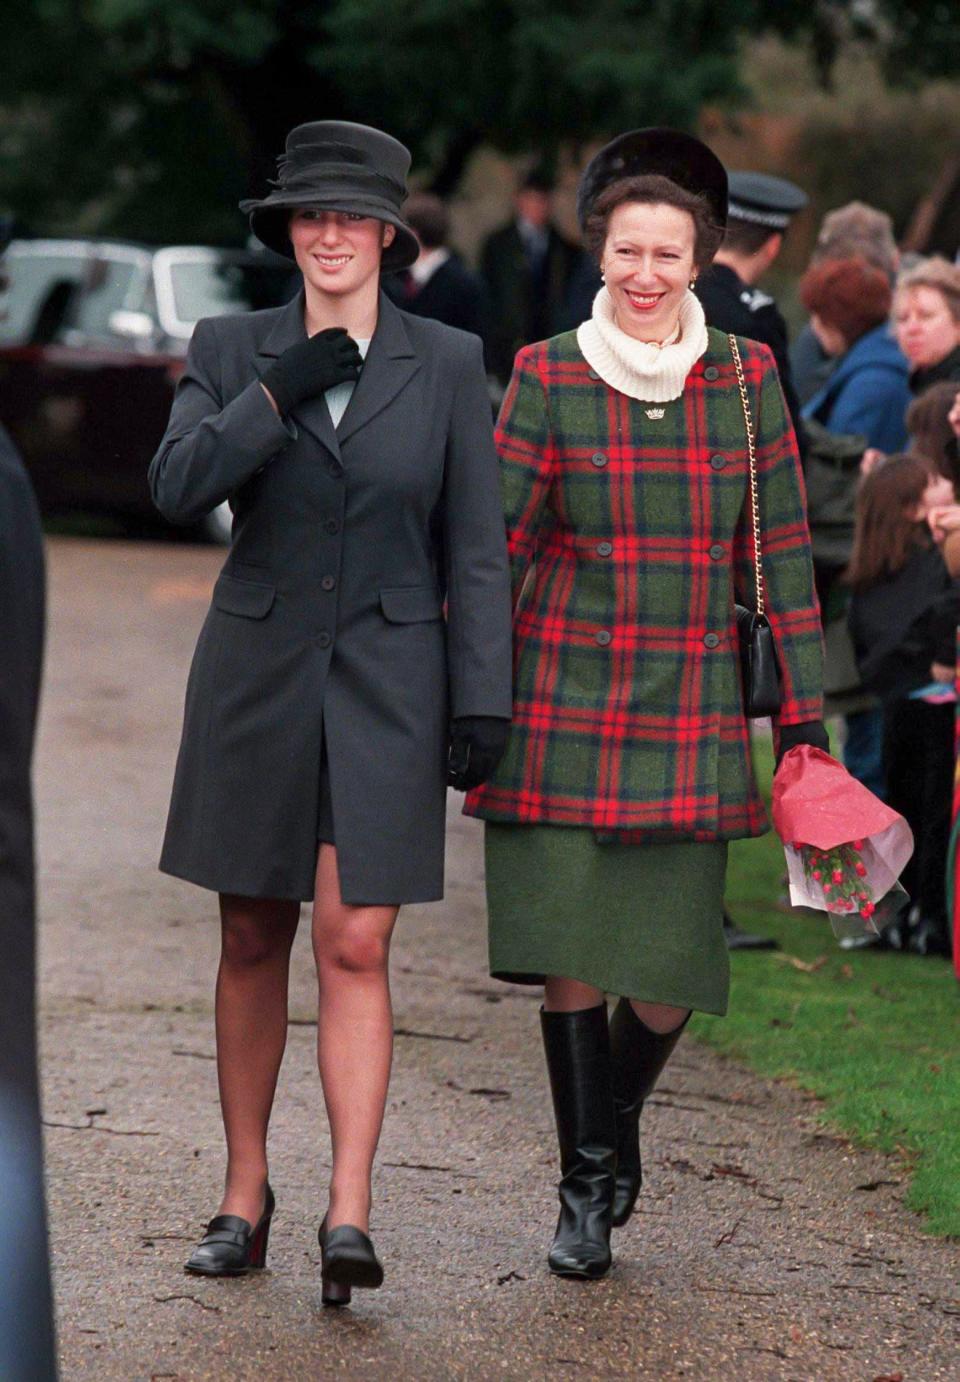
680	157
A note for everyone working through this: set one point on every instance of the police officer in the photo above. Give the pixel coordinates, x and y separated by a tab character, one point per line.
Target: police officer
761	208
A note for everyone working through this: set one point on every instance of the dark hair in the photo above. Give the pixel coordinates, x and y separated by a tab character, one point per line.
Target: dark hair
429	217
885	534
746	237
848	294
931	436
652	189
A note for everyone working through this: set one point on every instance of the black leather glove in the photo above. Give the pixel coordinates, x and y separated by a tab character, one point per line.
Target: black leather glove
311	367
810	732
477	743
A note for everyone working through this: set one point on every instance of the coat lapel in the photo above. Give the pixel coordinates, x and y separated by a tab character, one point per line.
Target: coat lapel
313	413
390	365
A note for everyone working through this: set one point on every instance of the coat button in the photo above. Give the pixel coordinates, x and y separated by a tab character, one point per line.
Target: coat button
598	458
717	551
604	549
711	373
711	640
718	462
336	469
324	639
604	637
332	526
328	582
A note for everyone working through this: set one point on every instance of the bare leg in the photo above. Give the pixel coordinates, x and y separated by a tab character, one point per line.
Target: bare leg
351	946
251	1014
660	1017
569	995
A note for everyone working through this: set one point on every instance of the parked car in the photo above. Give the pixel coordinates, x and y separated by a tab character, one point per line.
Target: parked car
93	336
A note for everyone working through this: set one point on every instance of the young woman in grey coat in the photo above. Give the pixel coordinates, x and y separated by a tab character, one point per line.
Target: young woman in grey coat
356	656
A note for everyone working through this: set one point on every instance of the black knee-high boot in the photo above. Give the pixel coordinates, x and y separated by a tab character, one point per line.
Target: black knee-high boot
637	1057
577	1047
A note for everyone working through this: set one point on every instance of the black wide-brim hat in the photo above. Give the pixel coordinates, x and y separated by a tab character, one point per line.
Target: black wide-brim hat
338	166
670	153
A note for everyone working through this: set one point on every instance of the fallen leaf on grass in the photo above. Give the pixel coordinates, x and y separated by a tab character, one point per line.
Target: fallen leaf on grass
805	966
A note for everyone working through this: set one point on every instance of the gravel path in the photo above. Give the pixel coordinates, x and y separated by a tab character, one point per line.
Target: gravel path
764	1249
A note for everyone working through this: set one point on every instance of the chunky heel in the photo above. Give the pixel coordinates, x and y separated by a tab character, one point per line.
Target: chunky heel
335	1292
347	1259
258	1244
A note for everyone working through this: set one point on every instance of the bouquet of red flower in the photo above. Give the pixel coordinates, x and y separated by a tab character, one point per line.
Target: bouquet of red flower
845	848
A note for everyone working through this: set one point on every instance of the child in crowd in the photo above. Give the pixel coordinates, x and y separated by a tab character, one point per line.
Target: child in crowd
932	437
903	617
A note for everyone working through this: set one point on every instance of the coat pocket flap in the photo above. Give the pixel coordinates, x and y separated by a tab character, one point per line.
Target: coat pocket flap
252	599
410	604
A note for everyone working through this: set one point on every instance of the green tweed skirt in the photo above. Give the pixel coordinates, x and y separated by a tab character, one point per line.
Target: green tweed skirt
640	921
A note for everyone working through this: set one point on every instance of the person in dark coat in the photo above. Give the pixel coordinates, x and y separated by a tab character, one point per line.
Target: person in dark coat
356	653
761	209
27	1346
903	620
438	283
528	267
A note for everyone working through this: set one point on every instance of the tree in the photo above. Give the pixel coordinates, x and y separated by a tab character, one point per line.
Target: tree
151	118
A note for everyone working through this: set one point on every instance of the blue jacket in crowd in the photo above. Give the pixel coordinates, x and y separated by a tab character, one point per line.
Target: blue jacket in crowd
868	392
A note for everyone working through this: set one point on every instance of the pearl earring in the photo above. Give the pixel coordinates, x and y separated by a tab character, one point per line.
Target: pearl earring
693	282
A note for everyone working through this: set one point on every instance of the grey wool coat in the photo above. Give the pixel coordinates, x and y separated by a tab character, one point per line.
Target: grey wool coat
364	603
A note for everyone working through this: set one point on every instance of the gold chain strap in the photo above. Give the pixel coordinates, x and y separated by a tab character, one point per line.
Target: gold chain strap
754	496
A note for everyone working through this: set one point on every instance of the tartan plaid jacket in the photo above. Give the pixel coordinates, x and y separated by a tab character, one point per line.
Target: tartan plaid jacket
629	539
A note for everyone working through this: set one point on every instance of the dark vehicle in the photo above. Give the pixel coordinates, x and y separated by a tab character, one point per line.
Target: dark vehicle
93	336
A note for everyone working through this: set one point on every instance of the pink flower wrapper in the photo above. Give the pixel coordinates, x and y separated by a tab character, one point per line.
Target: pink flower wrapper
816	803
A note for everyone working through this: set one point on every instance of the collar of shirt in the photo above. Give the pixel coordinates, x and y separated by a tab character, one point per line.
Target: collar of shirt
535	238
427	265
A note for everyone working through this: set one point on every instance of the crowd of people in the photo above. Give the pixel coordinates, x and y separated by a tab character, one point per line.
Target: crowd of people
886	390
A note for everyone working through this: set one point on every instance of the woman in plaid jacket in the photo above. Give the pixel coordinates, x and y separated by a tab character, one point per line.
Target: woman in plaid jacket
625	475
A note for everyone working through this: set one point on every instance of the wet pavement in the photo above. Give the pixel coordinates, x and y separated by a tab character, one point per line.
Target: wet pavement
763	1249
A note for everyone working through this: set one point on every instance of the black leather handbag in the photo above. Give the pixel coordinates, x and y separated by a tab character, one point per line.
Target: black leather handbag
759	666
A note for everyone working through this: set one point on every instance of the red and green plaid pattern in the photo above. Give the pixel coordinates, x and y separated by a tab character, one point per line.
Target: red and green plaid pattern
629	537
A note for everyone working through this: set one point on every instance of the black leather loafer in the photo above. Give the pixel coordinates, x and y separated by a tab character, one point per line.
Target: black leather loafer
348	1259
230	1247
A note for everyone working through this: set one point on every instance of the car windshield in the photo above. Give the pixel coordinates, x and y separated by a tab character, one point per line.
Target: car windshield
39	284
211	287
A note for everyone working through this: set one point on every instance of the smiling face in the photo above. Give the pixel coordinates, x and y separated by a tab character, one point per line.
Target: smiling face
338	252
925	327
647	264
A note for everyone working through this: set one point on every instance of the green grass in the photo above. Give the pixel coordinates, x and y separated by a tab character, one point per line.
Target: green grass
874	1034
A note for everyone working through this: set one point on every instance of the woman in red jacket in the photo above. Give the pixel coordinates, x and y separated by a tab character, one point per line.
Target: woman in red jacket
625	470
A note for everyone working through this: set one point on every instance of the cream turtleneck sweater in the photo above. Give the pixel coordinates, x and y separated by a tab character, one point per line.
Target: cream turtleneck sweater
650	373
